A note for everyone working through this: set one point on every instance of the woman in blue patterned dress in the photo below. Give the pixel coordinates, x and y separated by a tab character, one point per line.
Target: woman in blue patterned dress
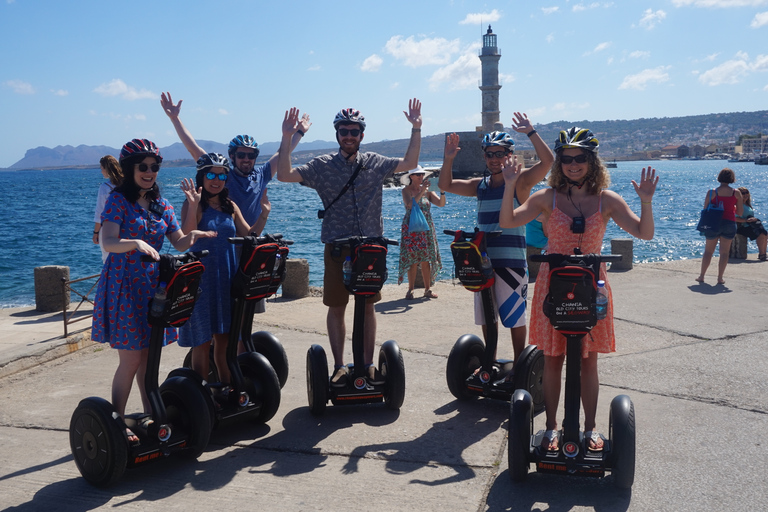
208	207
135	221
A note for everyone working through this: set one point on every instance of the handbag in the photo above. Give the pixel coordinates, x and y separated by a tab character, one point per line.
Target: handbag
710	216
417	222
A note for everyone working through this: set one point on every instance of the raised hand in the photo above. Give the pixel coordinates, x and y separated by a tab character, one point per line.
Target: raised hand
511	169
291	121
521	124
170	109
304	123
451	145
414	113
193	195
647	186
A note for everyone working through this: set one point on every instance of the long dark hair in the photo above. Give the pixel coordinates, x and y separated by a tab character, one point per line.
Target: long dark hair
224	201
129	188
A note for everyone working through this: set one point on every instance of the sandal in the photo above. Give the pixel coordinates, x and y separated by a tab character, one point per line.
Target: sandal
145	421
409	295
762	257
550	441
594	441
429	294
133	439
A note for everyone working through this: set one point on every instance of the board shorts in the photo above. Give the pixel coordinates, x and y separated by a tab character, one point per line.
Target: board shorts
335	294
510	292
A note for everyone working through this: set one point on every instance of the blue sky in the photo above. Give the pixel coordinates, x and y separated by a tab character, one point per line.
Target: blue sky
91	72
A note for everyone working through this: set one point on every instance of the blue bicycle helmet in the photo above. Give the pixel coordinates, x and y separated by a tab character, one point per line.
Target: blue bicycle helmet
349	115
138	147
242	141
212	160
576	137
502	139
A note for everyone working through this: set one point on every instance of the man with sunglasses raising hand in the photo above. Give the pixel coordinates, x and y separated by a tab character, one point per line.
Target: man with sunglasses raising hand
348	212
247	184
507	252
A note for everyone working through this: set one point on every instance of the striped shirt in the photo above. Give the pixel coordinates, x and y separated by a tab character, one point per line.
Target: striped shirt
508	249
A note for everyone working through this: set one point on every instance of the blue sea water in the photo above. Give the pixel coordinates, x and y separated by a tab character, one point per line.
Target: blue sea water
46	218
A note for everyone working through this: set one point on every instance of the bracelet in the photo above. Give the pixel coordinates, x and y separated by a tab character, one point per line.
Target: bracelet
415	130
95	232
442	193
531	133
300	132
649	202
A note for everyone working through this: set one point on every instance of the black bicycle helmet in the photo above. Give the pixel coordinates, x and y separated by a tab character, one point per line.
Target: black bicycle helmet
349	115
502	139
242	141
138	147
576	137
212	160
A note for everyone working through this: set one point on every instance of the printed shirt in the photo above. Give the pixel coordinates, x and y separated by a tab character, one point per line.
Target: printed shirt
507	249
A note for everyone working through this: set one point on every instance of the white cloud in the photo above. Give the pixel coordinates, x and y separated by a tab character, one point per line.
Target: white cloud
639	54
119	88
719	3
600	47
372	63
550	38
735	70
394	85
425	52
647	76
140	117
20	87
550	10
223	112
59	92
463	73
481	17
314	68
759	20
650	18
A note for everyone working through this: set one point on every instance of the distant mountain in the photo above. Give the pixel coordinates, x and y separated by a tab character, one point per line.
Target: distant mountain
617	138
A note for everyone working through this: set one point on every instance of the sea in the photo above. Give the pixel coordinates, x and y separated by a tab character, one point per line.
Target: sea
46	218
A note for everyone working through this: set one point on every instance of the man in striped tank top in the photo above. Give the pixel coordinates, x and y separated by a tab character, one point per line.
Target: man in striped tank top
507	251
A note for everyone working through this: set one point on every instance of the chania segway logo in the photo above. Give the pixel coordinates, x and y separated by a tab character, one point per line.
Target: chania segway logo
571	295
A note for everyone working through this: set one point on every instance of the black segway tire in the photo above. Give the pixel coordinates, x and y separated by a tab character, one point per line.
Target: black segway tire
98	442
520	430
622	437
466	356
189	373
529	374
317	380
392	367
262	384
187	410
213	373
269	346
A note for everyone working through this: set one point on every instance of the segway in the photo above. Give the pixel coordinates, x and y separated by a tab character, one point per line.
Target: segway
472	369
367	277
254	391
180	419
570	306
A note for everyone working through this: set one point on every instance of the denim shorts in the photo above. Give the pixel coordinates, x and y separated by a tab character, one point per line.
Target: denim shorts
726	229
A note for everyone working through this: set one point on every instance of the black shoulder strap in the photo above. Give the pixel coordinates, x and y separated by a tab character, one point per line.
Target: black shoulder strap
349	184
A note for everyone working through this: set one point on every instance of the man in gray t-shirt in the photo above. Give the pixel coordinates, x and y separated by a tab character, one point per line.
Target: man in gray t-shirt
357	212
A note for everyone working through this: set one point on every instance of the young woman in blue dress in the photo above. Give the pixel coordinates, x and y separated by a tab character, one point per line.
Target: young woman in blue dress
135	222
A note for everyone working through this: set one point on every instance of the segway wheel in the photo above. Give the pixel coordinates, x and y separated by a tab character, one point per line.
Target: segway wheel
392	367
622	436
188	412
189	373
529	374
261	383
466	356
268	345
98	442
317	380
213	373
520	431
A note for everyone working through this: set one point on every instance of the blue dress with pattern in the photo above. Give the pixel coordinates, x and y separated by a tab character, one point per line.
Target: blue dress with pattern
212	313
126	283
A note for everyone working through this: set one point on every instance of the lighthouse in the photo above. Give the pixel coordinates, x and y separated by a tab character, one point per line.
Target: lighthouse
489	60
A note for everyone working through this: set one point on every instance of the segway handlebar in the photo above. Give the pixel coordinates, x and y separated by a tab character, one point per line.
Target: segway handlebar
276	238
355	240
468	235
183	258
575	259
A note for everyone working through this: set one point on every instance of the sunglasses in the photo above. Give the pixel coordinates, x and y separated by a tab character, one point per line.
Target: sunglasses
245	156
145	167
579	159
495	154
212	175
344	132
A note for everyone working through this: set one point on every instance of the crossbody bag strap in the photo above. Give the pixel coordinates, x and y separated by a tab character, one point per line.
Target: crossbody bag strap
349	184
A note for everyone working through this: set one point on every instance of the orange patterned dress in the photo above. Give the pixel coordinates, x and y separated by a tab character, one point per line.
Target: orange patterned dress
562	241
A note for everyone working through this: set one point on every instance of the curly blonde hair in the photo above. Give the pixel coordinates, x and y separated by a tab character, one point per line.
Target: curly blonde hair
597	178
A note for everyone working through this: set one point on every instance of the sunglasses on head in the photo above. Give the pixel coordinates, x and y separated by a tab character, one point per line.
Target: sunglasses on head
144	167
579	159
245	156
344	132
211	175
495	154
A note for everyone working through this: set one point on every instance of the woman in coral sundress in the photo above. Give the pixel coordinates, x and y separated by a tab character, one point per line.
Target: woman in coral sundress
576	211
135	221
419	247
